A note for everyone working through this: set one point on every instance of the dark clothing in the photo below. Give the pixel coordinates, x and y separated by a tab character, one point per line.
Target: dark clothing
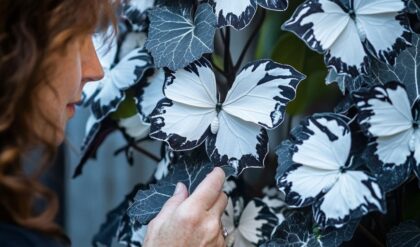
16	236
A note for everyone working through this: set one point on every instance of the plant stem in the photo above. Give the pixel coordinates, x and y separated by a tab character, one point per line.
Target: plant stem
370	236
381	222
399	204
145	152
228	63
217	67
289	124
133	144
249	41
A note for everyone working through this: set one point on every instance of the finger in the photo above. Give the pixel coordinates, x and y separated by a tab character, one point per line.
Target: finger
179	196
208	191
220	205
221	242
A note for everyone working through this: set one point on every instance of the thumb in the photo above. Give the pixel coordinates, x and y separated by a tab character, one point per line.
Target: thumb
180	194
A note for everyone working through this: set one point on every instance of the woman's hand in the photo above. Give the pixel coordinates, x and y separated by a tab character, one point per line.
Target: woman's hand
191	220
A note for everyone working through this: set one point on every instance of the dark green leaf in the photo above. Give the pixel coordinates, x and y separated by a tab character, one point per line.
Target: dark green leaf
108	230
407	234
126	109
176	38
299	230
148	203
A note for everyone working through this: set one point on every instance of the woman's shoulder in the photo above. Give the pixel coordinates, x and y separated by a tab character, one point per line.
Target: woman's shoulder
16	236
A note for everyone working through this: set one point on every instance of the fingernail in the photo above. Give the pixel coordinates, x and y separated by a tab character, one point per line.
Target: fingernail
178	188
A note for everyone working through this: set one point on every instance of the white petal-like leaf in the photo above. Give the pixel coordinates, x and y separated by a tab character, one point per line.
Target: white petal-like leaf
176	39
195	85
261	91
192	112
131	41
352	196
90	90
385	116
375	19
135	12
247	226
274	199
315	167
237	14
125	74
384	110
326	146
305	185
238	143
257	222
273	4
182	126
331	27
151	93
183	118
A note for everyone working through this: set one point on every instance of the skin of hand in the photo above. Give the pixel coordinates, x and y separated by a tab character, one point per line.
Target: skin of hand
193	220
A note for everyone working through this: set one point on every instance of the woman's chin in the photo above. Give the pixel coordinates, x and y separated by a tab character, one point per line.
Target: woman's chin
59	138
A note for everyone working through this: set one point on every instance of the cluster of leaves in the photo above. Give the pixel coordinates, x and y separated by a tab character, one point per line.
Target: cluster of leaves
163	81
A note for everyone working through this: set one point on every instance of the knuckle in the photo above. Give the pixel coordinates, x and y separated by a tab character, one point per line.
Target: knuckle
213	226
189	217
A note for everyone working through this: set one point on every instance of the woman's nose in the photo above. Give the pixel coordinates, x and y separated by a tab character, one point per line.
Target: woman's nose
91	67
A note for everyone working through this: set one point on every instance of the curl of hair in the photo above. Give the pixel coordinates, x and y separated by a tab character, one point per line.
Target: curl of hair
30	31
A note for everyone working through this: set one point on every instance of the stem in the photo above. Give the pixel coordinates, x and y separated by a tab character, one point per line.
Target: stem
138	148
249	41
222	35
399	204
411	179
228	63
217	68
133	143
370	236
381	223
145	152
289	123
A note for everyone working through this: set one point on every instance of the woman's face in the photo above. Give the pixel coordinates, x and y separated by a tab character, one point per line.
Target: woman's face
75	67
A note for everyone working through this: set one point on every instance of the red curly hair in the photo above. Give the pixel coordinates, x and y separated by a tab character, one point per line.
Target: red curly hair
30	31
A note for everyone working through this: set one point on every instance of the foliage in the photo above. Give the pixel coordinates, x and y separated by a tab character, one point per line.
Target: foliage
170	78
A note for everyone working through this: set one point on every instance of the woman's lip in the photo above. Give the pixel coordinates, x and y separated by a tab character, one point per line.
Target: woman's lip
71	109
78	102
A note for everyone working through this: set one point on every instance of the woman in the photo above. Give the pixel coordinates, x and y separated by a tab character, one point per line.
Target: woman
46	57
